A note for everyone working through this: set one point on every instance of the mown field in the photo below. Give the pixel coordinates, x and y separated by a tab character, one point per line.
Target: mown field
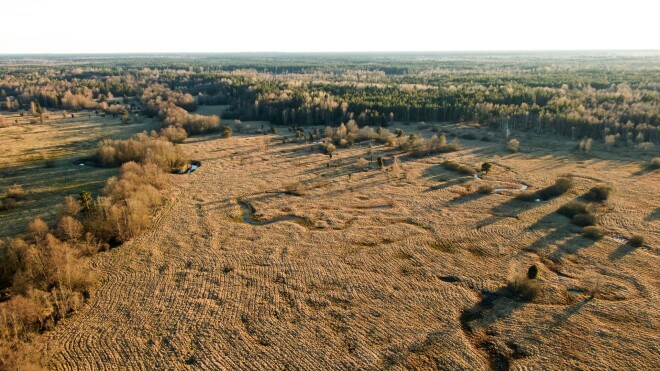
273	256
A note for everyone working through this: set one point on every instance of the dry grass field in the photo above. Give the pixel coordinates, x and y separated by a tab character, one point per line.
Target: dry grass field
44	158
272	256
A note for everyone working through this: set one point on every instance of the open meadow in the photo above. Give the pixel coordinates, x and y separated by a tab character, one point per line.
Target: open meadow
274	256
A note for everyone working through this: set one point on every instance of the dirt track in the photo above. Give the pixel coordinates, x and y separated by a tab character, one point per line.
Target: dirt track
366	287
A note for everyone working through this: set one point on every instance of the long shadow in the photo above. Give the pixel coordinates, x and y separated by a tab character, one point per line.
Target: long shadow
621	251
563	317
514	207
547	240
483	315
444	185
570	247
654	215
460	200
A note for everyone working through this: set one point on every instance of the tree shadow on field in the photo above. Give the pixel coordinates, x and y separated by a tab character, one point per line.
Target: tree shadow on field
486	310
444	185
571	246
514	207
654	215
621	251
460	200
570	311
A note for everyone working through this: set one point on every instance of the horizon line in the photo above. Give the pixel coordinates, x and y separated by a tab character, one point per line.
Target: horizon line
466	51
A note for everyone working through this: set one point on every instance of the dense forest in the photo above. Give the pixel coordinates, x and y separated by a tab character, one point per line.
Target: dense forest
604	96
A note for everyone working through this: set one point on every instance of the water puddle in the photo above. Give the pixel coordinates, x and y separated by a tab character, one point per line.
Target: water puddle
194	165
523	186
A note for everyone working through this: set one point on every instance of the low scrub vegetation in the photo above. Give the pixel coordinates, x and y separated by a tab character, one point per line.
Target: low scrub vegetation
45	273
561	186
654	163
458	167
485	189
174	134
435	145
142	148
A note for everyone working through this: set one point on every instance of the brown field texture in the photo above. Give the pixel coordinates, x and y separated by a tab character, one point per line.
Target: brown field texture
403	267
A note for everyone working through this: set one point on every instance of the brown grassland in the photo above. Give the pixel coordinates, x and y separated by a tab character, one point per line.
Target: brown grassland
274	256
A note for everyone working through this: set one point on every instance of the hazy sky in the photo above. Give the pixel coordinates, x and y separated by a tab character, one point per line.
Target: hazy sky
90	26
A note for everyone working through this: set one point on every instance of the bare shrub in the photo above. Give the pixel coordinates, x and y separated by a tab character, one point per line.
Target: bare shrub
71	206
192	123
636	240
37	230
174	134
513	145
327	148
646	146
125	207
362	163
437	144
69	228
585	145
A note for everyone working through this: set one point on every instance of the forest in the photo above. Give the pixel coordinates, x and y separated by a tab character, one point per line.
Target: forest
606	97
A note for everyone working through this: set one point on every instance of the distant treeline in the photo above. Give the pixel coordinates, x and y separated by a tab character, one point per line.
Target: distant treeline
568	94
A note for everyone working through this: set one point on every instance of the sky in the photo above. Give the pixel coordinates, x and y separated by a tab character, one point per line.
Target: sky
134	26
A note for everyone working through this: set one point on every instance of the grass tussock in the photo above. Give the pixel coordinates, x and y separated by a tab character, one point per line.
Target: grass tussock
593	232
485	189
584	220
525	287
560	187
637	240
572	209
599	193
